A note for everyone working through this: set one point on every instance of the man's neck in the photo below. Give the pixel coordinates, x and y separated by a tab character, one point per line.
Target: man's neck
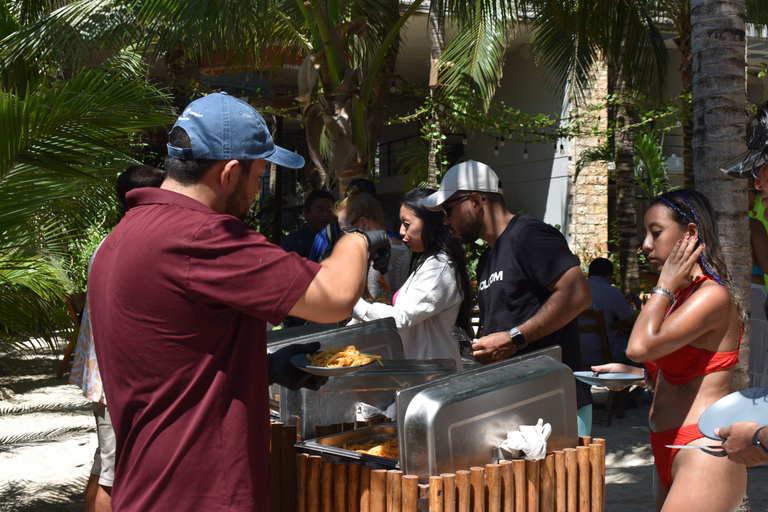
197	191
495	223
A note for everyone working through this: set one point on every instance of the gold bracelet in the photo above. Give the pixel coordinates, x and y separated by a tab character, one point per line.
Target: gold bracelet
361	235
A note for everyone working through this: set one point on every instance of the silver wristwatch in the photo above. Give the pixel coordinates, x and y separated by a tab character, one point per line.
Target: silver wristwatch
518	340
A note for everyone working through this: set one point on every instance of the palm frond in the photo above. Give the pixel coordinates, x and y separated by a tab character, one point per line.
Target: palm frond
471	64
650	167
44	435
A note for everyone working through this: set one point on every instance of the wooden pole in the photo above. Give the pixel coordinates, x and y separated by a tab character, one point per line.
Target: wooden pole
353	489
518	469
301	476
340	486
532	469
582	456
584	440
560	481
493	484
379	490
572	473
326	486
477	478
596	469
601	442
507	486
313	484
365	489
463	488
435	494
288	435
547	494
275	451
395	496
410	493
449	492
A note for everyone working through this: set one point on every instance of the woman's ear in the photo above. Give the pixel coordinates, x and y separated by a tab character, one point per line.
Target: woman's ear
693	230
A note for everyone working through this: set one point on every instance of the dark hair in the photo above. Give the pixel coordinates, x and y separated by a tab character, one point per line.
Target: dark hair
136	176
436	238
687	206
601	267
363	185
186	172
316	195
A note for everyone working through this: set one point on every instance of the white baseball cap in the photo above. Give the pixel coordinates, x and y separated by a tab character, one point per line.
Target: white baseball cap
471	176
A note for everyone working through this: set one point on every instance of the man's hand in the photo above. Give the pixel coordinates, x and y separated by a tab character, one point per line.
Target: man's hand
738	443
282	372
379	247
491	348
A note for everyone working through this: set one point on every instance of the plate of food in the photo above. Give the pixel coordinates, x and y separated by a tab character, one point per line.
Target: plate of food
334	361
749	404
612	380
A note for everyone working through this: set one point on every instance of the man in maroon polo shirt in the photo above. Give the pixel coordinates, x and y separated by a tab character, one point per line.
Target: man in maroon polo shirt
182	290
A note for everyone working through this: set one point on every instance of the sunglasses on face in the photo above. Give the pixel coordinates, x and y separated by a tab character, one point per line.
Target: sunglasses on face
447	209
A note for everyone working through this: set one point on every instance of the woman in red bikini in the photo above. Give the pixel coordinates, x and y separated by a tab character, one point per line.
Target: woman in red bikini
688	335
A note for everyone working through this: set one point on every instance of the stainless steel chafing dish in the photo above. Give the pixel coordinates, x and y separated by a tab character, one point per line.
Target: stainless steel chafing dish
331	446
456	421
376	385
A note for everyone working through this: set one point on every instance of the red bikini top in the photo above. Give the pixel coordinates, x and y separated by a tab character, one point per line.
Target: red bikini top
688	362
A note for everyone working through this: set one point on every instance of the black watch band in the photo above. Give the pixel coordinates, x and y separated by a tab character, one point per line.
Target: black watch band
756	441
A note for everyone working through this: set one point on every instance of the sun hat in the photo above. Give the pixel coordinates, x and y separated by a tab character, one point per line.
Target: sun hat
222	127
471	176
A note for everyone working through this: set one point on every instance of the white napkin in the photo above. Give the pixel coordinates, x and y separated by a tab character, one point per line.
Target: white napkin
365	412
531	440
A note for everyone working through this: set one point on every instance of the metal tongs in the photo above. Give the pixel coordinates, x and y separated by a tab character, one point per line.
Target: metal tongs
712	449
460	334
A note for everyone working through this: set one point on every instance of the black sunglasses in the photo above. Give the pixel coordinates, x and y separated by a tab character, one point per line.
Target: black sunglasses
447	209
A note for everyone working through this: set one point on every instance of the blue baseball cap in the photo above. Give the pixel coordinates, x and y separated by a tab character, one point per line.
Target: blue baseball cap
222	127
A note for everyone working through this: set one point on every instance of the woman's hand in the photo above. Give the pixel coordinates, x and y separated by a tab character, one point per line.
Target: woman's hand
617	368
676	272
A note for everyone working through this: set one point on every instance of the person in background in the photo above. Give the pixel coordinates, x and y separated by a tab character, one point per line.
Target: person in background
360	210
618	315
435	297
323	238
184	290
747	442
318	212
688	334
530	285
85	369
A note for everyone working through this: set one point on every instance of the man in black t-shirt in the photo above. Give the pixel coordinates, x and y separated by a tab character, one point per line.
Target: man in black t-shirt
530	285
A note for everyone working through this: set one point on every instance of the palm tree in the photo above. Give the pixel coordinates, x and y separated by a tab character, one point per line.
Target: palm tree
65	140
577	35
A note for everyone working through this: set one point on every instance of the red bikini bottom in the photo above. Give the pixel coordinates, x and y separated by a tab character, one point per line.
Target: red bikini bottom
663	455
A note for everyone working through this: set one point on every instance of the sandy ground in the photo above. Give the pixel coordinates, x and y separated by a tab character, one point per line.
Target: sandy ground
47	440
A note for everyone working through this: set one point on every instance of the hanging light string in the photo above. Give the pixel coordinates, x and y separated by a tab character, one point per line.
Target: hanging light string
701	236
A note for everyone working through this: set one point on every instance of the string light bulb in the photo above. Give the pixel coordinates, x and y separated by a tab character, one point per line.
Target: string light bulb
464	141
501	142
525	151
496	148
562	149
392	87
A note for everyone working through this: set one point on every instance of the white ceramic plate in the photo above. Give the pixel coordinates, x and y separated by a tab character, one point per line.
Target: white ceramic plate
746	405
613	380
300	362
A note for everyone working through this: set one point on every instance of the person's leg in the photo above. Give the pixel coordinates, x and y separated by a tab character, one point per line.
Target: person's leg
107	447
585	420
91	489
693	474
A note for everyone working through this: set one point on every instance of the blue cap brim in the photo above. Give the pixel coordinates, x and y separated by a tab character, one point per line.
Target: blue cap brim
285	158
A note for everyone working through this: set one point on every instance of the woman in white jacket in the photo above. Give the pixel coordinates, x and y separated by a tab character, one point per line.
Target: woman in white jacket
435	297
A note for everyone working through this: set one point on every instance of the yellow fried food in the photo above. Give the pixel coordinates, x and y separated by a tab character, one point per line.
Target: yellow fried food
389	449
341	357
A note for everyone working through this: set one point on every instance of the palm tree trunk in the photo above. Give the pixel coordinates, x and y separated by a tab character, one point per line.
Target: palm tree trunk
683	42
626	213
437	45
718	45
